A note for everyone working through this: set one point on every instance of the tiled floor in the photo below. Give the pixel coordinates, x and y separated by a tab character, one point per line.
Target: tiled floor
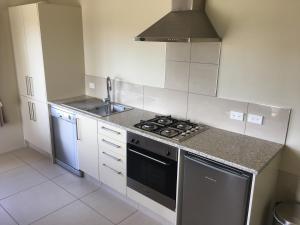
34	191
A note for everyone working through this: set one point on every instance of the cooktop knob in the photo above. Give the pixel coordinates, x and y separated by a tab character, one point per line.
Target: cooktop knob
137	142
168	153
132	140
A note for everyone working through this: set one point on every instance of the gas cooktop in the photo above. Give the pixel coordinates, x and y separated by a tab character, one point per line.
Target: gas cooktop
169	127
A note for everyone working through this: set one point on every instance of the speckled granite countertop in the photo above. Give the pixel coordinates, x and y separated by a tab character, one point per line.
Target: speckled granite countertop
237	150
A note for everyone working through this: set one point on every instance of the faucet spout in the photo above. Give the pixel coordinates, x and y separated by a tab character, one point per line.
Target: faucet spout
108	88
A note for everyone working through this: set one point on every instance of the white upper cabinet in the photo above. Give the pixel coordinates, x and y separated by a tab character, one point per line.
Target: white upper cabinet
48	49
20	49
35	53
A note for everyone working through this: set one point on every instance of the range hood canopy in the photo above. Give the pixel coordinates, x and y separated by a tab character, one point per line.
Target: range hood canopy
187	22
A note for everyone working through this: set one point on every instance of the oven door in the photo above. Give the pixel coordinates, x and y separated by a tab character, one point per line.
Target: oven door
152	175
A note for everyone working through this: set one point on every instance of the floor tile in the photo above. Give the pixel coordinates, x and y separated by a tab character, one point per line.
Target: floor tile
76	185
5	219
48	169
19	179
74	214
28	155
31	205
109	205
141	219
8	161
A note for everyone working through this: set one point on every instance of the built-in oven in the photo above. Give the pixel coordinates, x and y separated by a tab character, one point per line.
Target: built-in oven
152	169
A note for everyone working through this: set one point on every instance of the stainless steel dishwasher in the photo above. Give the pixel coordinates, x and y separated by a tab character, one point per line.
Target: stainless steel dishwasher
64	134
213	194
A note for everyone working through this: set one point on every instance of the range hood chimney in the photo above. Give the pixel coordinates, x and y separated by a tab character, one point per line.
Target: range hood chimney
187	22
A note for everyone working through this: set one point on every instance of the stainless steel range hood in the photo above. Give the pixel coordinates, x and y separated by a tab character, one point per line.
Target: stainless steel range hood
187	22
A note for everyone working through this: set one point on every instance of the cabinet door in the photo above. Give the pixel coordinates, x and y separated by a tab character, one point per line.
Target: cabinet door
20	49
35	52
36	125
26	111
41	137
87	145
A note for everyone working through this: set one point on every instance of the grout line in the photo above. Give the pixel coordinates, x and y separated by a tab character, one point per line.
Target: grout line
26	189
53	211
246	117
9	214
90	207
132	214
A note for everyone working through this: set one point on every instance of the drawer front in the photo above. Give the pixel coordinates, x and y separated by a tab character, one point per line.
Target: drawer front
114	160
112	132
113	178
111	145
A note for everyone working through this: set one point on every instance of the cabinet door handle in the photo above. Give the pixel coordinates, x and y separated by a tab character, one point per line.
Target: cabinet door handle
34	112
29	109
110	130
77	134
113	157
26	82
112	144
115	171
31	86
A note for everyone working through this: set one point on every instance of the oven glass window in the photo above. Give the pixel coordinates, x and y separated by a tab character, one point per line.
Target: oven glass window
152	170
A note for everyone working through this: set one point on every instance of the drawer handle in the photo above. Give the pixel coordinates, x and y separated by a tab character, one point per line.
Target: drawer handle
115	171
111	156
110	130
112	144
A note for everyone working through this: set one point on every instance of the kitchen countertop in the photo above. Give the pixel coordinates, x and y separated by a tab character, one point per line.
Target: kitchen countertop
240	151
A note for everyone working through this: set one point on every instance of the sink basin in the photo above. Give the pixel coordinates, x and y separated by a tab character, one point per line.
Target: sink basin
98	107
109	109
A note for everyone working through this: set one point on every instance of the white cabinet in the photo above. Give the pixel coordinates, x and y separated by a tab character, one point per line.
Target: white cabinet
48	50
112	156
36	123
87	145
20	49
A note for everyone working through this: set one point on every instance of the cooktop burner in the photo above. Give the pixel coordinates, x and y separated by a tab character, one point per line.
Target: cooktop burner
169	127
149	126
169	132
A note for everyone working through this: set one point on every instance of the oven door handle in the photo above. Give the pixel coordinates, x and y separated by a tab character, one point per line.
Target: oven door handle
148	157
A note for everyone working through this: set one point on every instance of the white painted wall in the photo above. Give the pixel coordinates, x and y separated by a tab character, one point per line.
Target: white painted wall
260	59
11	136
109	31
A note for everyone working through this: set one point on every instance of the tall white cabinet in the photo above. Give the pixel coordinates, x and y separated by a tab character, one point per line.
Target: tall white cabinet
49	61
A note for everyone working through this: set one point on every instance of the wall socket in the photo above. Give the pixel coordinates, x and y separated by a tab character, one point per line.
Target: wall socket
92	85
237	115
256	119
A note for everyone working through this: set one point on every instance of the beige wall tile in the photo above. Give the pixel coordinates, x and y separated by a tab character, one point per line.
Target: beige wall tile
206	52
165	101
100	86
177	75
203	79
275	123
216	112
128	94
178	52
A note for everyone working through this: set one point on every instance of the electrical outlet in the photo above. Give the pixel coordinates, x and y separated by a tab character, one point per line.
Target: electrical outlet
92	85
256	119
237	115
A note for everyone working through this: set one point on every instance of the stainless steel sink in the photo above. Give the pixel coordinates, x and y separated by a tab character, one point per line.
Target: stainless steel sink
109	109
98	107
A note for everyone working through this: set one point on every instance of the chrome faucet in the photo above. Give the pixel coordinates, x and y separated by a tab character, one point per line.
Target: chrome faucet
108	88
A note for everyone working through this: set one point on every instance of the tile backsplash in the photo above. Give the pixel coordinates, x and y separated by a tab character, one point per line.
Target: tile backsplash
193	67
198	108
